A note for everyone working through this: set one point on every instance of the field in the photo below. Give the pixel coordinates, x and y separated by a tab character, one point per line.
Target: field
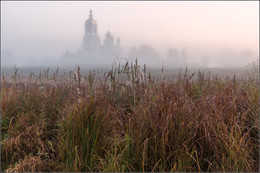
129	119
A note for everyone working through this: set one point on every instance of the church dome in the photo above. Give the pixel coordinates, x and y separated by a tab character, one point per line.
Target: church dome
109	35
91	20
109	38
94	22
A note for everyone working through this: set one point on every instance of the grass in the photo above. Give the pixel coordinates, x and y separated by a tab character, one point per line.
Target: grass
126	120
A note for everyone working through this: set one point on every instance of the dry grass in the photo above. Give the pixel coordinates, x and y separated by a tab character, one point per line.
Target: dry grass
125	120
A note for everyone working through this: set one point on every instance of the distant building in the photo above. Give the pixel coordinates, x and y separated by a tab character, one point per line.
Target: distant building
145	55
172	60
183	57
92	50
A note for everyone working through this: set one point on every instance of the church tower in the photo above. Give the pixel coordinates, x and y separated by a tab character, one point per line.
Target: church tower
109	40
91	25
90	40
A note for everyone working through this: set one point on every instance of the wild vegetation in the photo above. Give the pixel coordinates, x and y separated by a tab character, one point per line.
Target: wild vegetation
126	120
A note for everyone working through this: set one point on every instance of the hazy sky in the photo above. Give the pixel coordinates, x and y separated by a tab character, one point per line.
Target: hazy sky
47	29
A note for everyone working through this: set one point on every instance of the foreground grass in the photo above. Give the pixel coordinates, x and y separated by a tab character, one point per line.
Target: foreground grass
128	121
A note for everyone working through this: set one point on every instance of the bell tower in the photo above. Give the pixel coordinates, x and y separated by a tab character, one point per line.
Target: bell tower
90	25
90	39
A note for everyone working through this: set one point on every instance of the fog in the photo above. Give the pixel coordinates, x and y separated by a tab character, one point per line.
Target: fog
169	34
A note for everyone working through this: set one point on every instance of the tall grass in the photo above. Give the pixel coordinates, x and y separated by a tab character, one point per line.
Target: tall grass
126	120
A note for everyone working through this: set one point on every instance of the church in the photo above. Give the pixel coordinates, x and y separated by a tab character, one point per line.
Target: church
93	52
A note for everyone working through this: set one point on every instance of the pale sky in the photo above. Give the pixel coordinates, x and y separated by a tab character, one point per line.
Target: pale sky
47	29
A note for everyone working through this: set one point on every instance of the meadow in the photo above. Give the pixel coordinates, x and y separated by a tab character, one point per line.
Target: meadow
128	120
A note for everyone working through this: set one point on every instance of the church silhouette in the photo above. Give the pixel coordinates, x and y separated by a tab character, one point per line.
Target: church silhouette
92	51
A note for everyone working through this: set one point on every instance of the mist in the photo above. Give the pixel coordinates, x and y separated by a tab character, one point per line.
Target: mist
159	34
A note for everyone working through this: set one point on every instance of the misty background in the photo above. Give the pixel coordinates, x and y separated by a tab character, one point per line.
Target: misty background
170	34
